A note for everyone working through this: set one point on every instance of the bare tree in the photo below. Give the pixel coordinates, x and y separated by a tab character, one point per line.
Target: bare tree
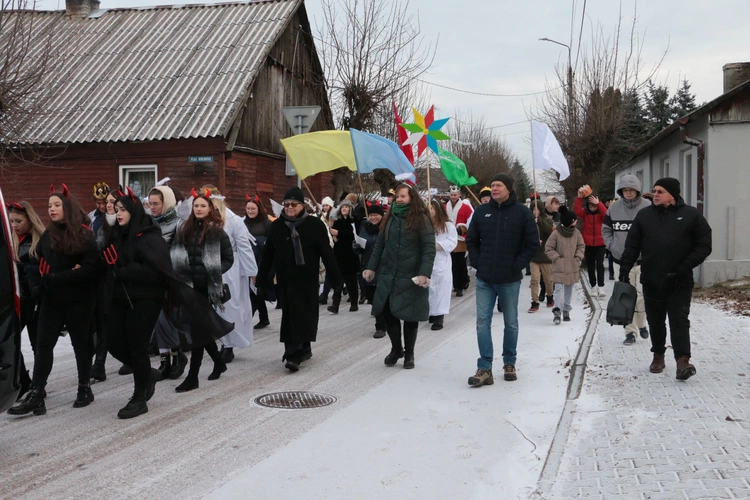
372	52
588	109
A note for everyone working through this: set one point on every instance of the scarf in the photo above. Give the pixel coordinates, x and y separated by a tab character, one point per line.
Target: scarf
400	209
211	261
292	224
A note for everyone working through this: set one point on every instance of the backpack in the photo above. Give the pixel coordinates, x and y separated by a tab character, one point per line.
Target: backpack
621	305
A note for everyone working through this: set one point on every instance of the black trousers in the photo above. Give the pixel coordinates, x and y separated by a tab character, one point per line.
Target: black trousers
595	265
674	303
393	327
77	316
196	357
30	319
460	271
258	302
129	334
350	279
379	318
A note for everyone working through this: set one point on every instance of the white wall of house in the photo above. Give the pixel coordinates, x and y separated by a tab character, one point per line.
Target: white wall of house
727	172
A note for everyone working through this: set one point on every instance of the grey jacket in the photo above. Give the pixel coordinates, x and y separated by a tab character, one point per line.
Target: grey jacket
620	215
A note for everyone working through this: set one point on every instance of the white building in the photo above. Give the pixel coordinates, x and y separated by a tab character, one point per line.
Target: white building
709	152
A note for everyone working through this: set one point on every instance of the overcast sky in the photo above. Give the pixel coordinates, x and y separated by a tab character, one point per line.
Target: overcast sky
491	46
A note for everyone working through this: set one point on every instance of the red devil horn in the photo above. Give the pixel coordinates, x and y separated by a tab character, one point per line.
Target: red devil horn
51	189
65	191
257	200
247	197
130	193
192	191
368	203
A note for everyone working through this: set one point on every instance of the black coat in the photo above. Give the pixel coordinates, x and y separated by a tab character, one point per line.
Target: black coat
347	260
670	240
399	256
502	240
298	285
138	275
23	260
369	232
64	284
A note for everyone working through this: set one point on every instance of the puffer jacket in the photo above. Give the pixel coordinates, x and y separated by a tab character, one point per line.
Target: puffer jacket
502	240
566	249
671	241
544	226
620	216
592	222
399	256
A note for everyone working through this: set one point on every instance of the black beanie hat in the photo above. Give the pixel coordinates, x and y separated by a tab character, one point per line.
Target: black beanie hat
671	184
294	194
375	209
567	217
505	179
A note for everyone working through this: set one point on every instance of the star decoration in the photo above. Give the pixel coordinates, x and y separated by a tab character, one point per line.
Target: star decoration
425	131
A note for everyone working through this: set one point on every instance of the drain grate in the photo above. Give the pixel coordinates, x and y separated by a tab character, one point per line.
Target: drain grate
294	400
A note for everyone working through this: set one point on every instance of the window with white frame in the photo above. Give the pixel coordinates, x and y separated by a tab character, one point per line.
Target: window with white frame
664	170
140	178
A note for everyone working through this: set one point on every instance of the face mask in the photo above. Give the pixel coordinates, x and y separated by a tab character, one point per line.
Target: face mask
111	219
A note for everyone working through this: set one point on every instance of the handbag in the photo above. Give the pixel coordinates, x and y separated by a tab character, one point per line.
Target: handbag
226	295
621	305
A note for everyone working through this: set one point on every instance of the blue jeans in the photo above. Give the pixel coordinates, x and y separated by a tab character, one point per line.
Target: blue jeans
507	295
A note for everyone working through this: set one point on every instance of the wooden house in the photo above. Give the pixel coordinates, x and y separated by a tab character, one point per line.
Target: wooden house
190	92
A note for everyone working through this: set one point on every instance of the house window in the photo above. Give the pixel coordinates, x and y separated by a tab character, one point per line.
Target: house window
686	179
664	170
140	178
639	175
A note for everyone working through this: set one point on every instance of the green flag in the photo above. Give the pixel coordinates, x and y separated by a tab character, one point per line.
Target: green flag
454	169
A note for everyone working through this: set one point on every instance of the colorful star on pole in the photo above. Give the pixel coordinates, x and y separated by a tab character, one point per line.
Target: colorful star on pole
425	131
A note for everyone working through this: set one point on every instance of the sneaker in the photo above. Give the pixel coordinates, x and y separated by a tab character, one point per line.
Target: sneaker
379	334
644	332
550	301
534	307
557	315
509	373
566	316
684	369
629	339
601	292
481	377
611	277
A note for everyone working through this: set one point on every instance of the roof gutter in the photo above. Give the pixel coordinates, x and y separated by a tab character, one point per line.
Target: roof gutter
686	139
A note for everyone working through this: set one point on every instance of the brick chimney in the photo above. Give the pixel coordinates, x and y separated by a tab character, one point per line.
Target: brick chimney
80	8
735	74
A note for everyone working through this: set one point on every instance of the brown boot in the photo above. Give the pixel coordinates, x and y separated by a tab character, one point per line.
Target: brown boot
684	369
657	365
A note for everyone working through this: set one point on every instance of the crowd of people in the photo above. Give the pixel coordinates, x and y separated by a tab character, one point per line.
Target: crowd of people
172	274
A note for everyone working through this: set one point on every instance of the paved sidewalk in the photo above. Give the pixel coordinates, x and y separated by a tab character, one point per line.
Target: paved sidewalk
638	435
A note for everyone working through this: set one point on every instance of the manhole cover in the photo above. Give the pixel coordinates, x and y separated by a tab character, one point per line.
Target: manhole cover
294	400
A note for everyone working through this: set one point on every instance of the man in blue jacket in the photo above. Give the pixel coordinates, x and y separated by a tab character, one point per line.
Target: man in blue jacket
502	240
672	238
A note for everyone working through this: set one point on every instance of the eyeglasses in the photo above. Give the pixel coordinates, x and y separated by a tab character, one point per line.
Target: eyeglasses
291	204
659	191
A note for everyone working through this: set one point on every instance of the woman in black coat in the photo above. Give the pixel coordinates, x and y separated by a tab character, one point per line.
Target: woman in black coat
257	224
64	280
136	287
27	231
403	257
201	253
348	261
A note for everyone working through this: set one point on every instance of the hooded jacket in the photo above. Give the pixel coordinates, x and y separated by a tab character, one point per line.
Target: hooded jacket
502	240
620	216
566	249
671	241
592	222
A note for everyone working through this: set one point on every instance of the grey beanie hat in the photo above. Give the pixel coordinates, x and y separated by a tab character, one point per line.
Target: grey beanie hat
629	181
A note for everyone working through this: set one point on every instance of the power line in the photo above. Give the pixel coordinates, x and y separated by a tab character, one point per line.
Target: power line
580	34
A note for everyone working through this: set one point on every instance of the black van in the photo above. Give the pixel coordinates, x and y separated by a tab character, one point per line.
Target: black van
10	321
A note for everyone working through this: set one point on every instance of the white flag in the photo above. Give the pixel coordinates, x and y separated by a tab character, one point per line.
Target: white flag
545	151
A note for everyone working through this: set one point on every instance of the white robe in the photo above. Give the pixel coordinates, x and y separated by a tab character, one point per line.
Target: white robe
441	281
239	310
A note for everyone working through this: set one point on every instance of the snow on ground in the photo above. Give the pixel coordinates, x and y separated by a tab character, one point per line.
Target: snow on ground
421	433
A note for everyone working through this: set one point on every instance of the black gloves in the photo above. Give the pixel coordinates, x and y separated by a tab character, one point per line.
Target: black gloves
624	275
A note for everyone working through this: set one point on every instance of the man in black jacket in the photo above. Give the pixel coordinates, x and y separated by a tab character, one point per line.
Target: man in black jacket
501	241
672	238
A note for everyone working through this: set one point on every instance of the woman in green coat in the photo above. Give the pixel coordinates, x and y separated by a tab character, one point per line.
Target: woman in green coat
403	257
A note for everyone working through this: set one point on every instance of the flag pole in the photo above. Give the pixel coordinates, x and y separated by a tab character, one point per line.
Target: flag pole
429	191
472	195
533	167
362	190
309	191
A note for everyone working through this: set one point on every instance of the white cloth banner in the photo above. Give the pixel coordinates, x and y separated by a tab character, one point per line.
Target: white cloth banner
546	152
